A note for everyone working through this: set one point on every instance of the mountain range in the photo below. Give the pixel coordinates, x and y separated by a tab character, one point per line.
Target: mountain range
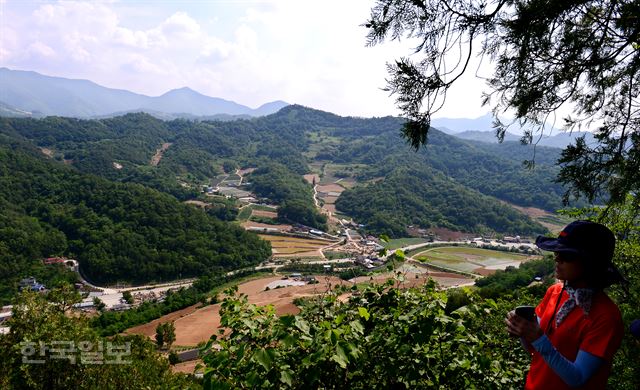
481	129
26	93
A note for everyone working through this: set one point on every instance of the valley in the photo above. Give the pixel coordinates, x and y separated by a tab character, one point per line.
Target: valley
311	201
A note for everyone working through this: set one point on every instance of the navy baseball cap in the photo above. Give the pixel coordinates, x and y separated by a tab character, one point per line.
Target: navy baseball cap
593	242
584	238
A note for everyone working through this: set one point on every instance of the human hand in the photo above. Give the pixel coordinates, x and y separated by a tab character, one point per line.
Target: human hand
520	327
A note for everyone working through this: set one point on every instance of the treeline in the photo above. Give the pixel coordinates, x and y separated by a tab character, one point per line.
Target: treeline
110	322
424	197
506	281
293	194
118	232
201	149
494	170
197	152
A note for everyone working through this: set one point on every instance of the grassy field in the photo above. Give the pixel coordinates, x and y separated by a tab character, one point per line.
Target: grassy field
331	169
246	211
263	208
402	242
244	214
335	255
557	220
474	260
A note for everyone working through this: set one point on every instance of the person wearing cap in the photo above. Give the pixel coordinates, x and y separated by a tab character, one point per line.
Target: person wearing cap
578	328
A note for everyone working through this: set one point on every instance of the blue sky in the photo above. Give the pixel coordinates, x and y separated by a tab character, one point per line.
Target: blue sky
307	52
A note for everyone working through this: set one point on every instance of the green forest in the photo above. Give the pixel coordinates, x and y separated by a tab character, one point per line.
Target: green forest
292	139
294	195
427	198
97	190
120	232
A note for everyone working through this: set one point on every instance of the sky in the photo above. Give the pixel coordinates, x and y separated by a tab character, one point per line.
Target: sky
312	53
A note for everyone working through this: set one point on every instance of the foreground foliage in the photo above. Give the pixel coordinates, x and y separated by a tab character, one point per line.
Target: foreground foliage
381	338
45	319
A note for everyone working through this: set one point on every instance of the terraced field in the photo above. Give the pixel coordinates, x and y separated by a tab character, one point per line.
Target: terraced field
472	260
287	246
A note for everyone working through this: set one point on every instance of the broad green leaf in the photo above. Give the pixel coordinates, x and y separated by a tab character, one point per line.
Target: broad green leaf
364	313
287	320
286	376
357	326
302	325
340	357
261	356
289	341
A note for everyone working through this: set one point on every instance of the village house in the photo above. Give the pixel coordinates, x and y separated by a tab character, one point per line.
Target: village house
32	284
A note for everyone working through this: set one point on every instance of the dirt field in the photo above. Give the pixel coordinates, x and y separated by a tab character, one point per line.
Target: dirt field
329	207
155	160
330	188
249	224
149	329
311	177
330	199
47	152
194	326
242	172
288	246
539	216
264	213
449	235
186	367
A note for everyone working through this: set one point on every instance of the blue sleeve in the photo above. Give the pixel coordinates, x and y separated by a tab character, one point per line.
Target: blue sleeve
573	374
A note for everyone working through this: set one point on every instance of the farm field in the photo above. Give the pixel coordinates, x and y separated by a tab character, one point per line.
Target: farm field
402	242
263	213
253	224
330	188
312	177
416	274
233	191
287	246
330	170
197	324
551	221
472	260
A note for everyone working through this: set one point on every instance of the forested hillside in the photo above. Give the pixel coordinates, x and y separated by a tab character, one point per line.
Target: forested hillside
295	196
122	148
118	231
425	197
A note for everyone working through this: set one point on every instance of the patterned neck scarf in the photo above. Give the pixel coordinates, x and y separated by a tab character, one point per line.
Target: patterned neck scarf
581	297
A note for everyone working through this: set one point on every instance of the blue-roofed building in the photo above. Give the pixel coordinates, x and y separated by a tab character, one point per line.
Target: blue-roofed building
32	284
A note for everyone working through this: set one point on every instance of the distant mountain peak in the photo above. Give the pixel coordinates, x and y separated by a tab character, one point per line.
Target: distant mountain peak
32	92
182	92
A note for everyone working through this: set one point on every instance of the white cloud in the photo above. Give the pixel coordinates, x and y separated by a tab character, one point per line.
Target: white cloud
305	52
140	64
181	26
40	49
127	37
